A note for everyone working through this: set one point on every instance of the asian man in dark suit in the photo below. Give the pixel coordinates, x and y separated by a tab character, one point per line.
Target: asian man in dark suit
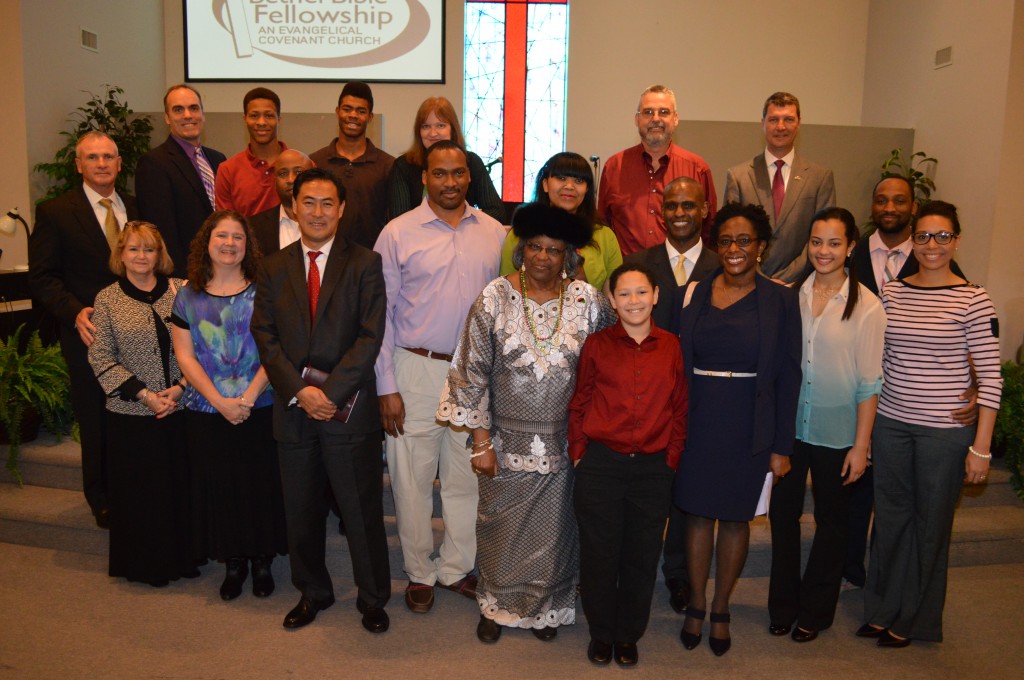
69	262
682	258
277	227
320	302
174	182
790	188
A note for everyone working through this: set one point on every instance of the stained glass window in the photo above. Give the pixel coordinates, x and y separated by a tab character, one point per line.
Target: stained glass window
516	54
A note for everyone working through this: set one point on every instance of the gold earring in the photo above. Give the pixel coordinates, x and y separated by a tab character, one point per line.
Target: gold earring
759	259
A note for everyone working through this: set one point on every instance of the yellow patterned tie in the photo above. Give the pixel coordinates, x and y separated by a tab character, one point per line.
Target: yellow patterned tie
110	226
680	271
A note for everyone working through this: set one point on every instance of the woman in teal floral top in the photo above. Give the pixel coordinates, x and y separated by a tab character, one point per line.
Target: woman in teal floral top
237	503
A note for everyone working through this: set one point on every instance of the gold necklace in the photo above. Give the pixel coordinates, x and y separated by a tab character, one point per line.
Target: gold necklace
544	345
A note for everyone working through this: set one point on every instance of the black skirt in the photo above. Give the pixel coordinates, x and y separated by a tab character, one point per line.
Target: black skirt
148	481
238	507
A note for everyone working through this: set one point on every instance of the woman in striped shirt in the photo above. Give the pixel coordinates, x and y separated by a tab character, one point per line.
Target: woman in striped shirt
937	323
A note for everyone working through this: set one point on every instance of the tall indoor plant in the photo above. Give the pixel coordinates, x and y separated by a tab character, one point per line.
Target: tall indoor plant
108	113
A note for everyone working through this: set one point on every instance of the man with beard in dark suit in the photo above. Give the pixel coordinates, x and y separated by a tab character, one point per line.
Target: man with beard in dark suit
69	254
320	304
175	181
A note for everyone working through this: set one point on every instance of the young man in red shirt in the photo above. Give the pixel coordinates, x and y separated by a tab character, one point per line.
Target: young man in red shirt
627	426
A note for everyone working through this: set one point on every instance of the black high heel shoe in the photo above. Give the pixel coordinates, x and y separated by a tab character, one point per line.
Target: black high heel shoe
691	640
719	645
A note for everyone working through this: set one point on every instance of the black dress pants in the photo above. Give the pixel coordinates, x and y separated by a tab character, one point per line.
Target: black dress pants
89	404
351	465
809	601
621	502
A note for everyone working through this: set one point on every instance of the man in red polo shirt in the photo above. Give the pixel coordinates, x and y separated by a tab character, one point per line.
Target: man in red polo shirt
634	179
245	182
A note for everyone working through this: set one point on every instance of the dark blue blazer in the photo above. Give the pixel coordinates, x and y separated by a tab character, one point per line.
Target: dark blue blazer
778	362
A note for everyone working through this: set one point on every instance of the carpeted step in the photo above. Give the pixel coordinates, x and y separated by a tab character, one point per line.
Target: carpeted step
49	463
49	518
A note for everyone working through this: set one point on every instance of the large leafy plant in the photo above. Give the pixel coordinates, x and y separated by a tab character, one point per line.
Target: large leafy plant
1009	432
107	113
914	169
36	378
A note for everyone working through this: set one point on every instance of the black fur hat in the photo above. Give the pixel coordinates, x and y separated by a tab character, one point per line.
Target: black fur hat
537	219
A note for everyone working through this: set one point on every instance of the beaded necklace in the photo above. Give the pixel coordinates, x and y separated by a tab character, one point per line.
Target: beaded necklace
544	345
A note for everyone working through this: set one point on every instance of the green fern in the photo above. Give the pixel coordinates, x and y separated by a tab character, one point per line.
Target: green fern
36	378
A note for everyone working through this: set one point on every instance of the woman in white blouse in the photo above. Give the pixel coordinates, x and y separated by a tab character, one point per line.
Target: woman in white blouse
843	326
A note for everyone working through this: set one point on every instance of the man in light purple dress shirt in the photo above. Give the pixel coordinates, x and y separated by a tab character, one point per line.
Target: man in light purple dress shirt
437	259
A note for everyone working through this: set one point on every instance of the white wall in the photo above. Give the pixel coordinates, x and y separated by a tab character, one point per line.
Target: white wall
60	72
959	114
13	176
716	56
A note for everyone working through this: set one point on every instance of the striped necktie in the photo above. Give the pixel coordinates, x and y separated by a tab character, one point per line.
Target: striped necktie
206	175
889	272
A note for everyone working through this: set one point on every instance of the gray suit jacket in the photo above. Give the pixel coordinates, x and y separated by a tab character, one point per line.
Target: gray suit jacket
670	299
811	187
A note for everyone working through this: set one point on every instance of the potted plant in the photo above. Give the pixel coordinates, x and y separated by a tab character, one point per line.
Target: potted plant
1009	431
32	380
106	113
911	168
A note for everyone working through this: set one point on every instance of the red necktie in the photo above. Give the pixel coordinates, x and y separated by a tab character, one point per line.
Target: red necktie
313	284
778	188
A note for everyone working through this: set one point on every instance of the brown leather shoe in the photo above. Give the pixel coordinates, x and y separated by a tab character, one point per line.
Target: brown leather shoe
465	586
419	597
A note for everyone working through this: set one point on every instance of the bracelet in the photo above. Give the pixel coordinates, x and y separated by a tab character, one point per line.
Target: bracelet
145	395
485	443
480	453
983	456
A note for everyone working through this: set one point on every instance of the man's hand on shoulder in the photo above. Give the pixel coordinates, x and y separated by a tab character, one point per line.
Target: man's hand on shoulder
83	324
392	413
315	403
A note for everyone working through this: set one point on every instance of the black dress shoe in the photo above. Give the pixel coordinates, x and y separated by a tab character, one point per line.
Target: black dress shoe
376	620
599	652
487	630
801	635
626	654
102	518
546	633
887	639
304	613
719	645
234	576
262	578
779	629
679	594
869	631
691	640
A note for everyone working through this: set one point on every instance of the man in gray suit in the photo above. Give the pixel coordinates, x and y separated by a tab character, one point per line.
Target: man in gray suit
789	188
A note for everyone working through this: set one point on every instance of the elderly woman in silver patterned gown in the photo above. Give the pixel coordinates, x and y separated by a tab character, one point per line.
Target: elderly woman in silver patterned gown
510	382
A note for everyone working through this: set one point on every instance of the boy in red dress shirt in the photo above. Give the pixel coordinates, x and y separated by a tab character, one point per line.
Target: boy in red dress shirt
627	425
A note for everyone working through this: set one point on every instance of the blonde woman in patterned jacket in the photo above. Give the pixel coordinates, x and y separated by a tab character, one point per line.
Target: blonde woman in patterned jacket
134	364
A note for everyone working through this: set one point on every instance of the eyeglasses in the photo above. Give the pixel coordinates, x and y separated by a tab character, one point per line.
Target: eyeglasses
943	238
535	248
743	242
649	113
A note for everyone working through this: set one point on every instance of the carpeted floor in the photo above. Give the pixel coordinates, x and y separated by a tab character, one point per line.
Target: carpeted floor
62	617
